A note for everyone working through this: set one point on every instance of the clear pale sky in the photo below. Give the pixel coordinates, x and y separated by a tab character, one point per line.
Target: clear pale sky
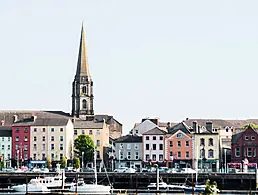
148	58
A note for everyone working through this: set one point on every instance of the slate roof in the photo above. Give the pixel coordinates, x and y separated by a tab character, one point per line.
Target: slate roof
7	115
180	126
129	139
43	122
155	131
5	131
81	124
215	122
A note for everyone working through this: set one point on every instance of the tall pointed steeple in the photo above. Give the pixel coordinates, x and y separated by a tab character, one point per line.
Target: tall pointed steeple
82	64
82	97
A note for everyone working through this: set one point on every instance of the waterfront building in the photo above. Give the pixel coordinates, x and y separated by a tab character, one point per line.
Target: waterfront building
153	147
6	144
178	146
206	147
245	145
128	151
41	138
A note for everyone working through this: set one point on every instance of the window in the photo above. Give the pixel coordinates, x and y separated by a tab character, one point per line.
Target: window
179	143
25	147
147	146
25	130
90	132
160	146
84	89
187	154
52	156
136	147
17	130
154	157
202	153
210	154
52	138
147	156
202	143
171	157
128	155
161	157
61	129
153	146
52	146
61	156
9	156
179	135
237	152
254	155
8	147
52	129
210	142
128	146
35	138
43	146
187	144
121	155
17	139
61	146
25	138
2	147
97	132
98	143
154	137
170	144
147	138
34	147
75	132
136	155
61	138
43	138
246	138
121	146
44	129
84	104
43	156
136	131
34	156
9	139
2	138
161	138
35	129
98	154
179	154
249	152
83	131
16	147
253	138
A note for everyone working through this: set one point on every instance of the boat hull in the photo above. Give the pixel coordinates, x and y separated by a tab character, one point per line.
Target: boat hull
31	188
91	189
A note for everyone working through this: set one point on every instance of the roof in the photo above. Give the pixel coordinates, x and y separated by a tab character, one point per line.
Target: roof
236	136
155	131
5	131
202	122
43	122
8	115
129	139
180	126
81	124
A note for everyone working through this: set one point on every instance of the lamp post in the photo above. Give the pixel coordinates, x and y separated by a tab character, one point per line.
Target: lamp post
225	156
119	151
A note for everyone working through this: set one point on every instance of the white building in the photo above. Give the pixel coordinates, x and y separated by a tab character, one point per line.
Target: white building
6	144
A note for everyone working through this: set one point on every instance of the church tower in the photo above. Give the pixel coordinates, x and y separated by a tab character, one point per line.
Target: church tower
82	97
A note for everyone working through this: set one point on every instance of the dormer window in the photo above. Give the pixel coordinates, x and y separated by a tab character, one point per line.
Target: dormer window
253	138
179	135
246	138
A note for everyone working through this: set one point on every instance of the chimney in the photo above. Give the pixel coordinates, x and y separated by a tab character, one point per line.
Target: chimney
15	118
33	118
2	122
195	127
209	126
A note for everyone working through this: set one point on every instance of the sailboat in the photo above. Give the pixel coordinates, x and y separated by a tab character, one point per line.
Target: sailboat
94	188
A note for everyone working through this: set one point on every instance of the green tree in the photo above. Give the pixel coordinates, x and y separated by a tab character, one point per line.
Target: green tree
2	163
49	163
63	162
254	126
211	188
76	163
84	144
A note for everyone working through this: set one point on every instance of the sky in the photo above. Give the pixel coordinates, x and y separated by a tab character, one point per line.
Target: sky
166	59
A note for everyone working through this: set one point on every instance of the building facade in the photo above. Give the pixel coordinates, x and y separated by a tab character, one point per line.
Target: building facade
128	152
6	145
178	146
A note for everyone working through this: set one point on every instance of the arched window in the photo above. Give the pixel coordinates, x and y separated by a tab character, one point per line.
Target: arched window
84	89
202	143
202	153
210	142
84	105
211	154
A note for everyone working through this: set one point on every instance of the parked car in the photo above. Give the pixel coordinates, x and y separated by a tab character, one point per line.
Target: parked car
130	170
188	170
121	169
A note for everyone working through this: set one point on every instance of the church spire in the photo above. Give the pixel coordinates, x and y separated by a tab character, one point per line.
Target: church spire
82	64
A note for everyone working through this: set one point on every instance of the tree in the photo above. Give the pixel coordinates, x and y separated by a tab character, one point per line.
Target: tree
84	144
211	188
254	126
63	162
2	163
76	163
49	163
